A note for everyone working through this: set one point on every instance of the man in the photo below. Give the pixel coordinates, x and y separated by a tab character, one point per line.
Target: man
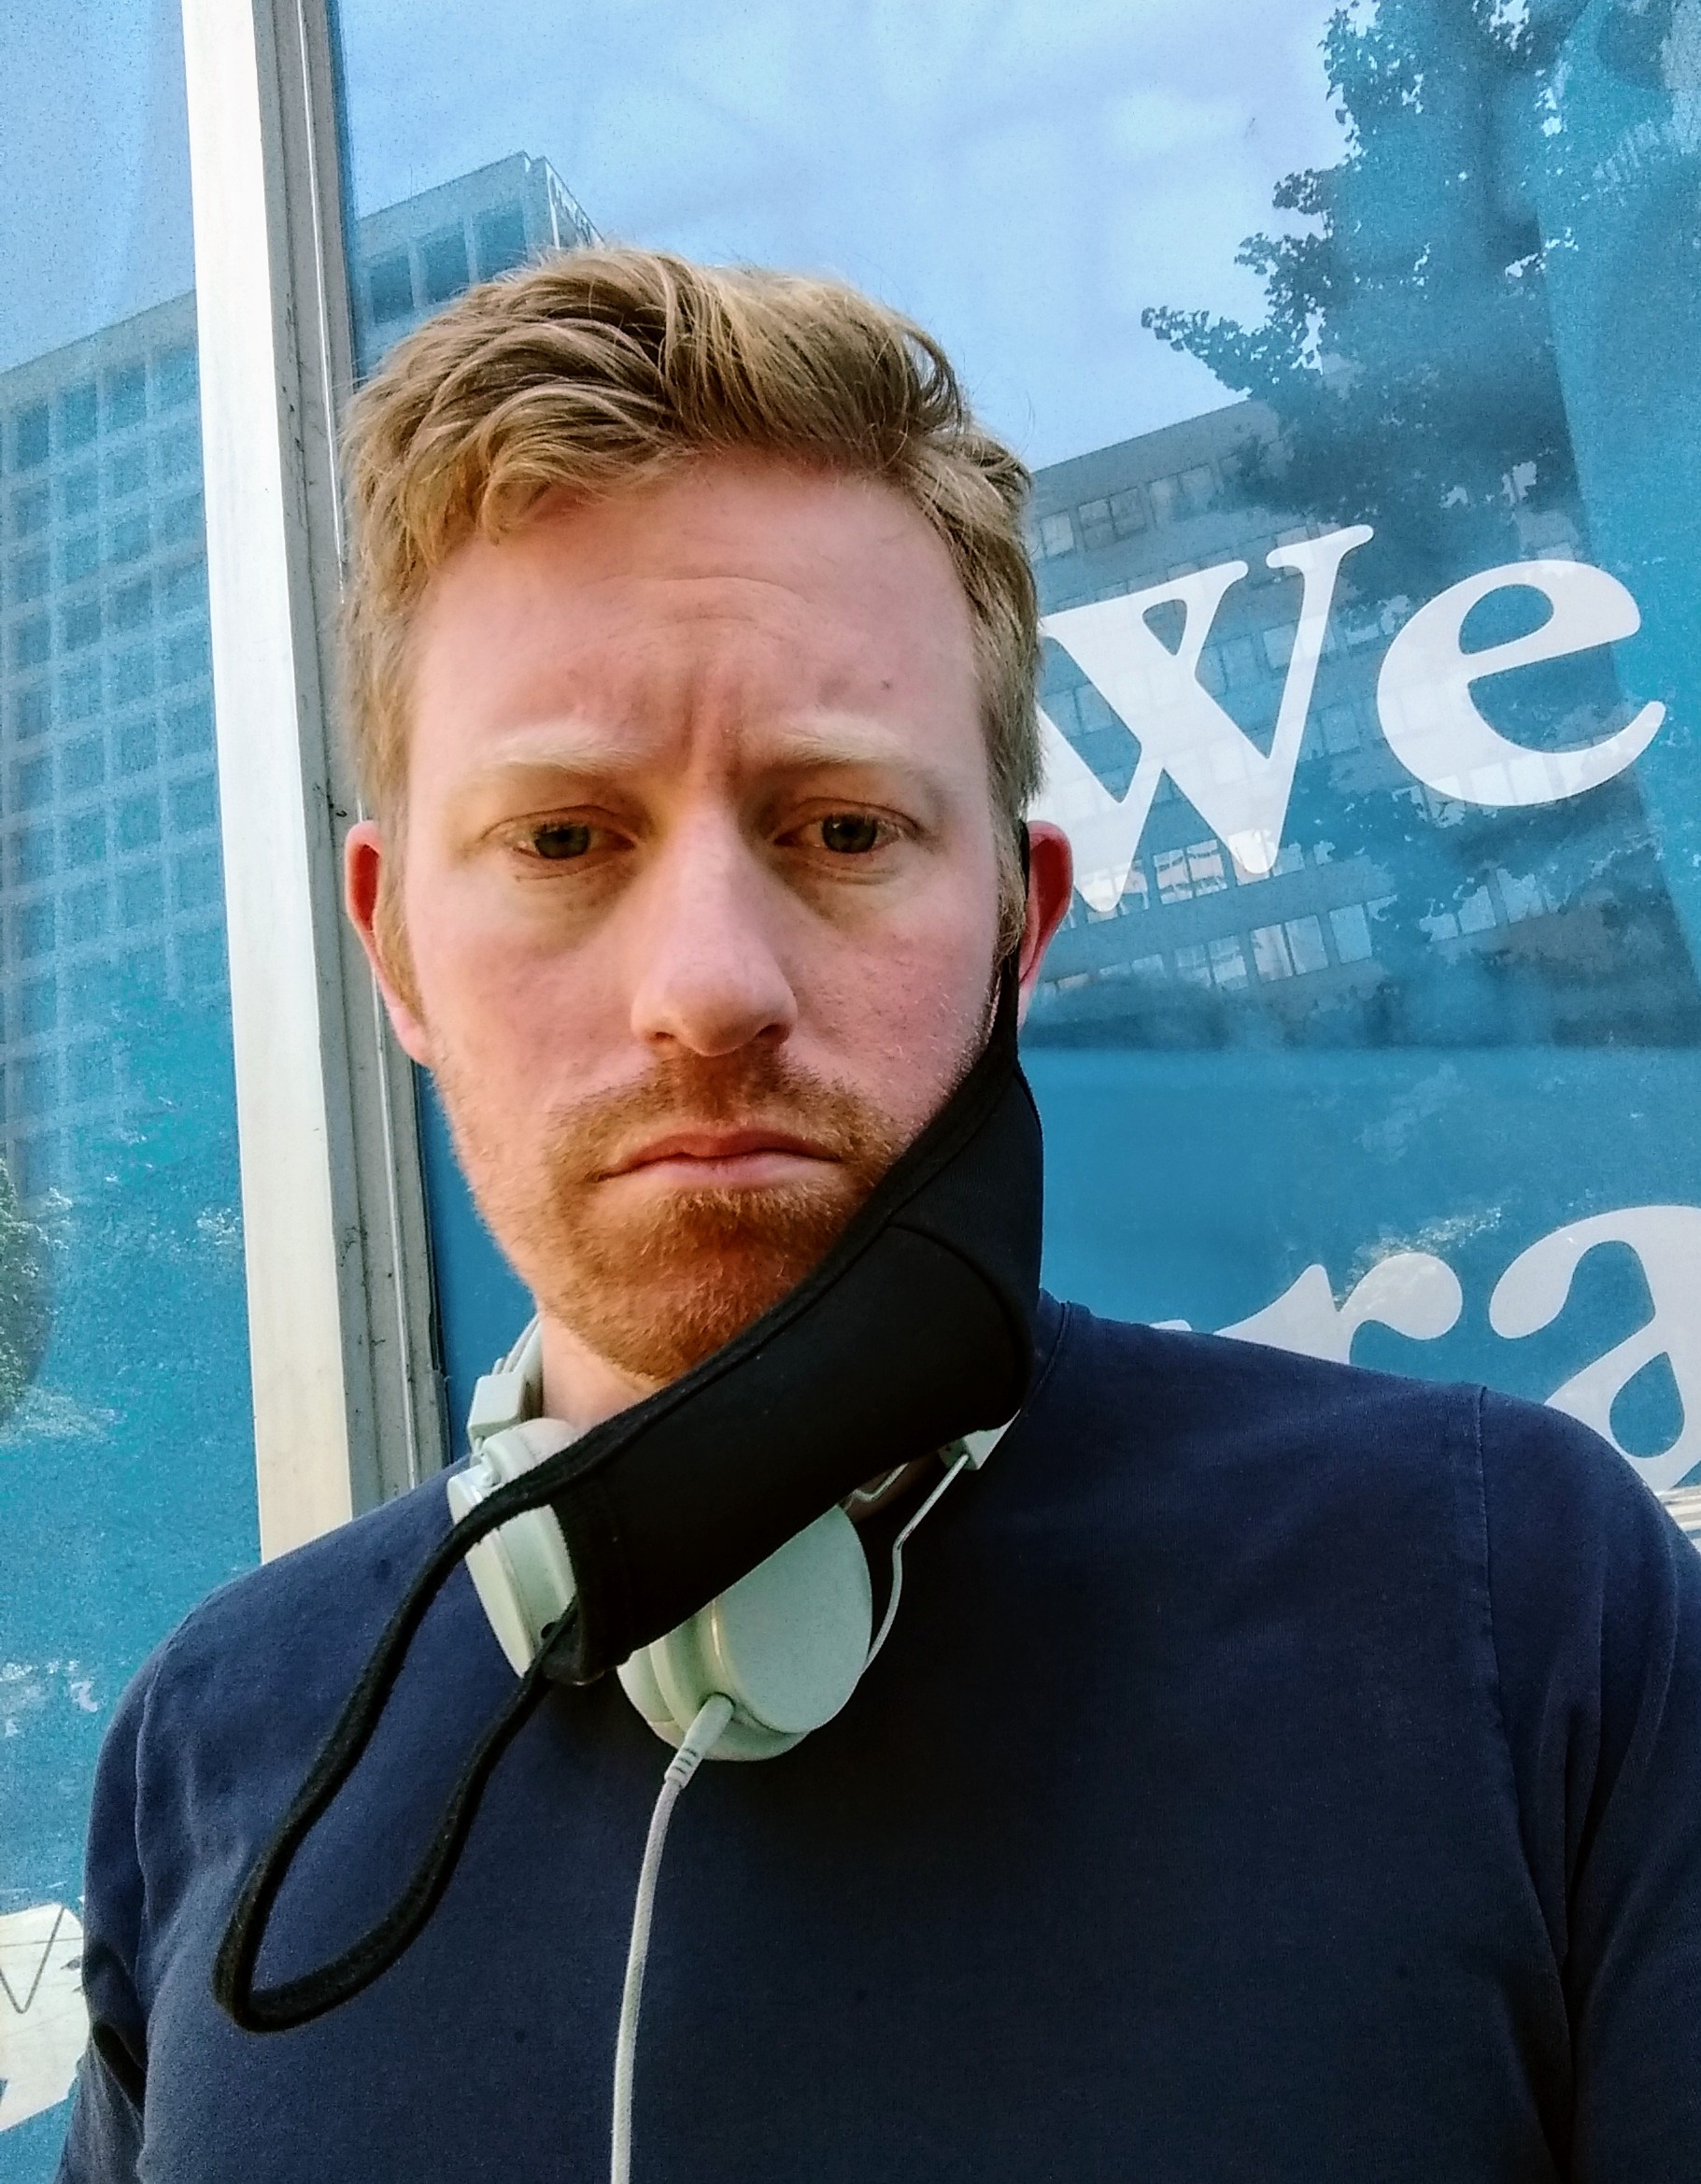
1276	1771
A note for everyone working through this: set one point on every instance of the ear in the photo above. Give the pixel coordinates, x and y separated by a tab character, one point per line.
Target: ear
1051	880
365	852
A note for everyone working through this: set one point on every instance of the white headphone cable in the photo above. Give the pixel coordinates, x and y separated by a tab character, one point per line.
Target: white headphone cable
697	1742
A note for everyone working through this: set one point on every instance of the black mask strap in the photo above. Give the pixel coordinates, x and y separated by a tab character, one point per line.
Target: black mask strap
1012	1276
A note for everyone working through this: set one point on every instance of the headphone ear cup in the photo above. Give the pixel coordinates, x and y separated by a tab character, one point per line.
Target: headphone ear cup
787	1645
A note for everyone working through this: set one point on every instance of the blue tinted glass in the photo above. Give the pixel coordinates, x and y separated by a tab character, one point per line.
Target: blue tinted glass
126	1455
1366	515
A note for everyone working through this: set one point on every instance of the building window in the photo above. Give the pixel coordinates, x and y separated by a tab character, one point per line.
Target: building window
194	805
32	783
30	437
194	879
38	1006
390	283
201	958
1128	512
183	588
501	239
1228	964
30	511
33	929
33	853
27	578
32	711
31	642
190	728
80	556
137	746
1193	966
186	656
132	675
84	764
90	1070
177	376
126	474
79	625
1352	931
179	452
86	913
1269	956
126	397
85	840
131	603
1340	731
1304	944
1056	535
79	692
138	822
1094	518
78	417
443	259
1170	866
35	1085
180	520
141	898
1205	866
129	538
79	491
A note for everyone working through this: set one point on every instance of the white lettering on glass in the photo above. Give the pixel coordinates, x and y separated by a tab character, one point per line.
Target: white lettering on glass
1424	700
1239	791
1433	724
43	2021
1412	1292
1533	1291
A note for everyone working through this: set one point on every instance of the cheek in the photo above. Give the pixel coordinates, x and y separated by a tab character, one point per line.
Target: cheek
898	1022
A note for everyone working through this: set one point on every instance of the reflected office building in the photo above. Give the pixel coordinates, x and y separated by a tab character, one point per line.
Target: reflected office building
1391	914
114	928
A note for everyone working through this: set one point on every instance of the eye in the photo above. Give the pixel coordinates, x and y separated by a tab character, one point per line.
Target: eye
560	839
850	833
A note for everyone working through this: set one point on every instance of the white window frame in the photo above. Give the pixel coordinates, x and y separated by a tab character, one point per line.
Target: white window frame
348	1405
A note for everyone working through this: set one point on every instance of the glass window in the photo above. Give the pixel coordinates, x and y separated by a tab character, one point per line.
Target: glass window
30	436
443	259
390	282
80	556
129	537
132	603
27	577
79	415
126	396
30	510
138	821
194	804
501	239
1231	298
123	1347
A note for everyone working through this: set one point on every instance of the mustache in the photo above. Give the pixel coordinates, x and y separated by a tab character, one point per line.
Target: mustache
755	1088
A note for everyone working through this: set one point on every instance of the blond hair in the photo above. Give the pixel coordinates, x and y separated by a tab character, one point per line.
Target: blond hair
596	369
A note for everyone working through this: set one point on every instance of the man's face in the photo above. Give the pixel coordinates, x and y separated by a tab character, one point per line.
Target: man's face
699	884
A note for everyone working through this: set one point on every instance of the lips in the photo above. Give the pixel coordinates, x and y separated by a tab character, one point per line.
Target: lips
718	1149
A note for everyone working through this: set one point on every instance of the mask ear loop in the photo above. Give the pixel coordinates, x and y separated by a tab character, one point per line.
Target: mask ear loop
298	2000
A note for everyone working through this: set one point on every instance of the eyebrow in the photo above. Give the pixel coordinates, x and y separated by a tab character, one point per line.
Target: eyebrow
845	743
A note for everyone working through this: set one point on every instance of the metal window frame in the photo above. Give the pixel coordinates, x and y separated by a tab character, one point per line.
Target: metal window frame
348	1404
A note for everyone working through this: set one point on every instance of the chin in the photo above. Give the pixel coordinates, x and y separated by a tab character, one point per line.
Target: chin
657	1297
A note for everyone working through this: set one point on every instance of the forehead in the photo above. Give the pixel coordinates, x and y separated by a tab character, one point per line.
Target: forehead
729	595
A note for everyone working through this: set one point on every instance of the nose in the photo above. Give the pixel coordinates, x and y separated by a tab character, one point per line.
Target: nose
709	978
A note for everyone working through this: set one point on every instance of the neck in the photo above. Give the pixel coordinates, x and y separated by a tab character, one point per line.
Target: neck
580	1386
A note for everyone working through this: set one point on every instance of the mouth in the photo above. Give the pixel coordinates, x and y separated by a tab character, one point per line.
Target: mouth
718	1159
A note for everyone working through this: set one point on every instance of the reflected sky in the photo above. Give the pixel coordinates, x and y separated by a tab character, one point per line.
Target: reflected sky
1022	177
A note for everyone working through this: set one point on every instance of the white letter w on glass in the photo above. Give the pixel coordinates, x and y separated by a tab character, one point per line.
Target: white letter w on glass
1239	791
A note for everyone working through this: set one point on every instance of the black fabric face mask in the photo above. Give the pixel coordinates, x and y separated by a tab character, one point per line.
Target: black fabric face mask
916	1328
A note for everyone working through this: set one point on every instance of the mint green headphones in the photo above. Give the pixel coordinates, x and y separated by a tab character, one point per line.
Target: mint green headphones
787	1645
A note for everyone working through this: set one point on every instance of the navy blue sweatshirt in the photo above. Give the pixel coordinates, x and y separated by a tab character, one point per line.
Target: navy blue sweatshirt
1277	1771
